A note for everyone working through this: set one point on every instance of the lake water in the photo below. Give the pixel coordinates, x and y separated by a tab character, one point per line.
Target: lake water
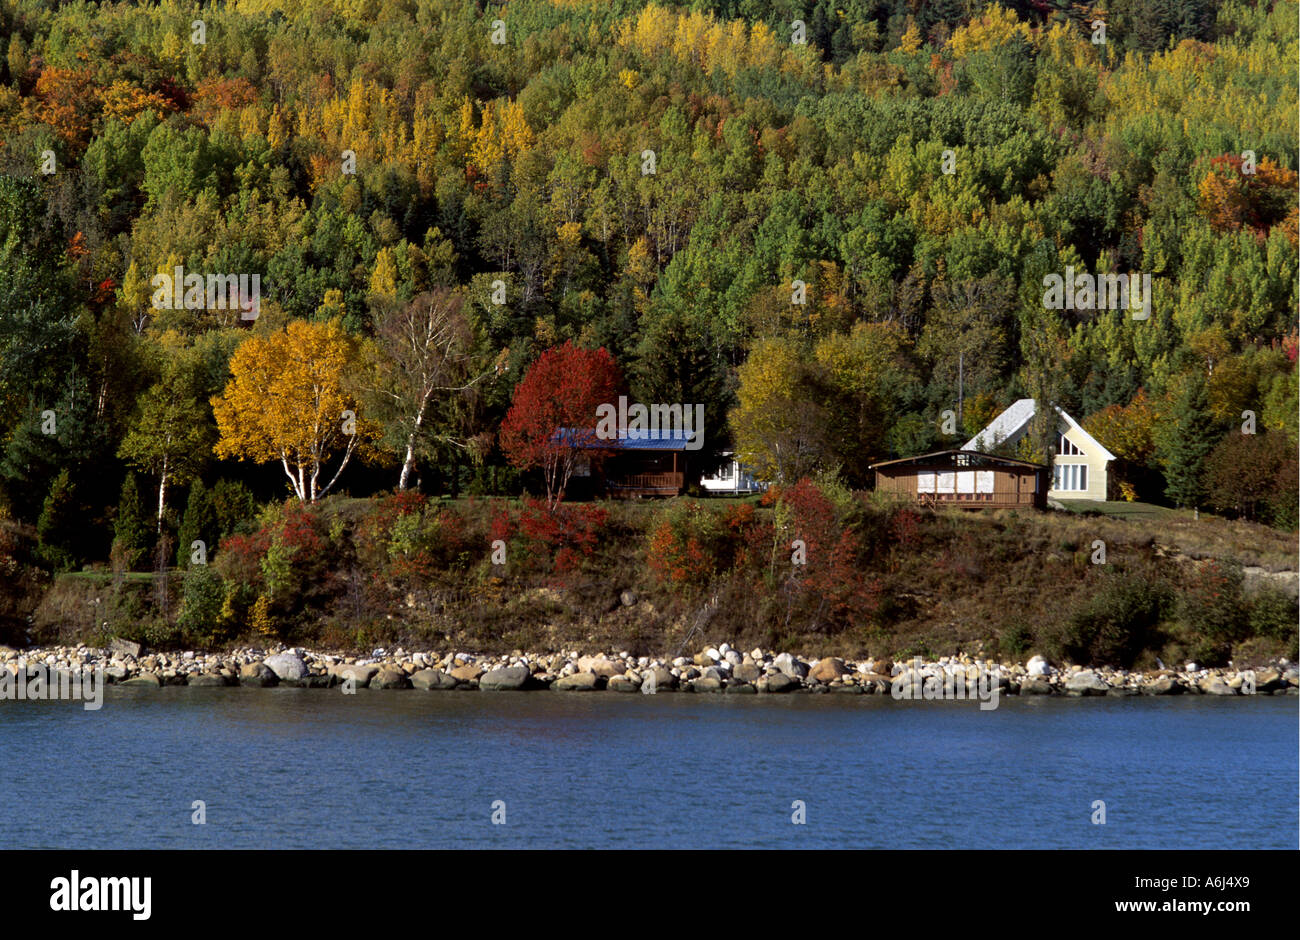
300	768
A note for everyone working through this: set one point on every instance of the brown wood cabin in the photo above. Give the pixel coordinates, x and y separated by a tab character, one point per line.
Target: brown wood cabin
636	467
965	478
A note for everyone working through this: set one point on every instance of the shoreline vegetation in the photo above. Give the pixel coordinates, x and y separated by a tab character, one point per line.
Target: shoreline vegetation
870	578
713	670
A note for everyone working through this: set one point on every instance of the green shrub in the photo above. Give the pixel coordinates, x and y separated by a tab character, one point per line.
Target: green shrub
1116	622
1273	614
202	595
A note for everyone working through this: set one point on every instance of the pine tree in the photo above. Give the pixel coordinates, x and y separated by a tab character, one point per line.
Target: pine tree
58	530
1187	439
198	523
129	527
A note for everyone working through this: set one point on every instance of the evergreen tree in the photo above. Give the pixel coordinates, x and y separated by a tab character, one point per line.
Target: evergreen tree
1187	438
59	528
129	527
198	523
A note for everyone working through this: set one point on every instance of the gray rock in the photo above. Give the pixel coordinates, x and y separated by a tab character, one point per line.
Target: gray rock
123	647
1086	683
791	667
706	684
740	688
628	598
848	689
509	679
781	683
286	666
747	672
623	684
432	679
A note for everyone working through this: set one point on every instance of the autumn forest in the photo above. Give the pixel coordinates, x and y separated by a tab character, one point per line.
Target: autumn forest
828	222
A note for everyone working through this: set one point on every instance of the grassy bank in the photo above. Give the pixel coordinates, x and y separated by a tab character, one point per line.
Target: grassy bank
819	570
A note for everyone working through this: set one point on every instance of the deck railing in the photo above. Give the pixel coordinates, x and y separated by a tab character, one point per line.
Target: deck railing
647	483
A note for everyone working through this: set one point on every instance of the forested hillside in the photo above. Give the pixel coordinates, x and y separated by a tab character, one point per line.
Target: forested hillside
655	179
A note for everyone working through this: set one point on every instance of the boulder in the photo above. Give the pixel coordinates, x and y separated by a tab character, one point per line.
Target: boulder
740	688
622	684
664	680
1165	685
361	675
121	647
509	679
1266	680
832	667
578	682
467	671
148	679
849	689
1037	666
790	667
706	684
1035	685
747	672
206	679
781	683
1214	685
257	675
601	666
286	666
390	677
432	679
1086	683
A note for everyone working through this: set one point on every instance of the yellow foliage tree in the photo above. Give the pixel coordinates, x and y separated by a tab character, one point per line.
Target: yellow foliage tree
778	430
289	399
995	27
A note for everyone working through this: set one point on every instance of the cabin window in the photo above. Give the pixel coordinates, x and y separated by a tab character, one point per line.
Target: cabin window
1070	477
1065	447
925	481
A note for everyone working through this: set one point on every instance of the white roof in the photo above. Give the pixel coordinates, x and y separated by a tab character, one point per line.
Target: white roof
1011	424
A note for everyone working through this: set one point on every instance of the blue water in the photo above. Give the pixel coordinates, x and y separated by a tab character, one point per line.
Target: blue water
300	768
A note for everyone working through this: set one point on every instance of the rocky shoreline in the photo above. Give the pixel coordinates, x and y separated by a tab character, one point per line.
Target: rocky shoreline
713	670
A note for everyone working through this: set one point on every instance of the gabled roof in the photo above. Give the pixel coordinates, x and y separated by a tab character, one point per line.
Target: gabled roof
973	459
1011	424
627	439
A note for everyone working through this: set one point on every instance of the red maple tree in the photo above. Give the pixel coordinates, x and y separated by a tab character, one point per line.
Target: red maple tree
552	416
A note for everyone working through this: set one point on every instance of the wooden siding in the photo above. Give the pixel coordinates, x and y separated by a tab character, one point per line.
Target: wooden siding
1012	486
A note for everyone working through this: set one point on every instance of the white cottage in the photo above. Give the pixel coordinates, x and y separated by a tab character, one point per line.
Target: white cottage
1079	466
733	478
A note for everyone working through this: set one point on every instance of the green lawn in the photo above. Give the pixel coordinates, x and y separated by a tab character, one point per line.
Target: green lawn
1120	509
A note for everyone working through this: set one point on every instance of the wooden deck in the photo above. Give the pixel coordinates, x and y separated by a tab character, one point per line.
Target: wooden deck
646	484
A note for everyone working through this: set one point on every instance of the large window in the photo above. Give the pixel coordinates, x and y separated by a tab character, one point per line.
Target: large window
1070	477
1065	447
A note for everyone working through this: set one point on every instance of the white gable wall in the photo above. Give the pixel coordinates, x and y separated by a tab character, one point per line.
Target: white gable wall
1079	469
